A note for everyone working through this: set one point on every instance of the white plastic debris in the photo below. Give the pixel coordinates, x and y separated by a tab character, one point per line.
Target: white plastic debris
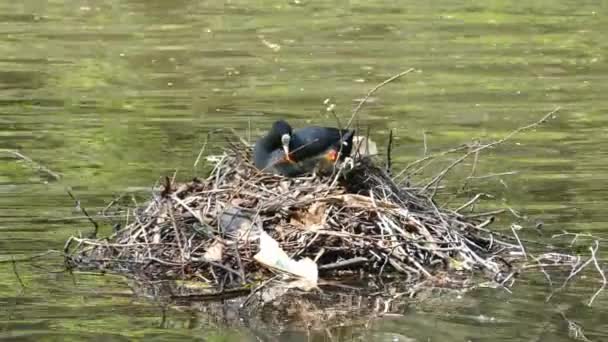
272	256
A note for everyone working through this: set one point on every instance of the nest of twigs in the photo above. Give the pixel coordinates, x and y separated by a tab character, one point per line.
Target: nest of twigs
356	221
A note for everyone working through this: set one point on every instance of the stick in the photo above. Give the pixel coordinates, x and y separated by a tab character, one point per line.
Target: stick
472	174
243	141
576	236
202	150
40	167
487	213
238	259
437	179
426	150
470	202
492	175
84	211
523	250
14	262
373	90
389	147
573	273
29	258
333	112
344	264
575	330
249	130
599	269
178	236
430	156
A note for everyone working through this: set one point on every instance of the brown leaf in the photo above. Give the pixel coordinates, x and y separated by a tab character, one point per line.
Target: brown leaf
311	219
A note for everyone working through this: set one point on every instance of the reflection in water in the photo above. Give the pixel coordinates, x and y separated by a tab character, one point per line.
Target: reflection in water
113	94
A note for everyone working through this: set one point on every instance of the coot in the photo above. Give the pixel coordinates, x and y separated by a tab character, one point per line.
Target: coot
293	153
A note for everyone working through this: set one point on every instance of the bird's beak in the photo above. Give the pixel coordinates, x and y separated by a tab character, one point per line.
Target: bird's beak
285	139
287	157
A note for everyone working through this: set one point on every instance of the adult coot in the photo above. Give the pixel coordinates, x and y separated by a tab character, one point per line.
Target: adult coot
293	153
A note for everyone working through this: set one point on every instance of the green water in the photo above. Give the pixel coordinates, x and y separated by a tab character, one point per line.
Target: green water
113	94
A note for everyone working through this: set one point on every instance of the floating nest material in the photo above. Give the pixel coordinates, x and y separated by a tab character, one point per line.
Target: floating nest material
240	229
356	221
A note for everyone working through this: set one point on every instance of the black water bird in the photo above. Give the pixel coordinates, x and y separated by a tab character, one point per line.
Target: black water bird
292	153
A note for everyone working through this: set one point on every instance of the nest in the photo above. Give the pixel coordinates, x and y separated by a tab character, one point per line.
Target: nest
356	221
